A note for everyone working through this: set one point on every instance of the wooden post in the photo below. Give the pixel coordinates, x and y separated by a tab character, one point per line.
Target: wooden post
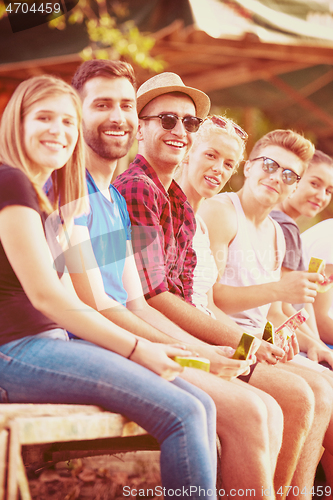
3	461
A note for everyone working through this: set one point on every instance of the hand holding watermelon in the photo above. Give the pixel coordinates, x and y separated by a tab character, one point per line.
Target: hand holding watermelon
318	266
281	336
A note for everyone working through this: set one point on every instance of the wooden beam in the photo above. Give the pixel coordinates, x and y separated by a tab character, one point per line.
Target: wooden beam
191	56
257	50
305	91
317	84
303	101
220	78
46	61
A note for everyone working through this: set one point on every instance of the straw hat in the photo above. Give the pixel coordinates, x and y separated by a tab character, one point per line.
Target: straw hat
165	83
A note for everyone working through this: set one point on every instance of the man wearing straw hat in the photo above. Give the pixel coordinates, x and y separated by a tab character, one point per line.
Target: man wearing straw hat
163	226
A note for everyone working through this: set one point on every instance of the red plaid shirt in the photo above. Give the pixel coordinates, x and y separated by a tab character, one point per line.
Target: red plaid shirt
163	229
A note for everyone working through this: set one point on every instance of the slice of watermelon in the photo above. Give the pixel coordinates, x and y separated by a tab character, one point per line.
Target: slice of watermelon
268	334
244	347
295	321
200	363
279	337
282	336
326	284
316	265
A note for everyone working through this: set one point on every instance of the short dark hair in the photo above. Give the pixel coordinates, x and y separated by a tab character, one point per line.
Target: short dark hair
102	67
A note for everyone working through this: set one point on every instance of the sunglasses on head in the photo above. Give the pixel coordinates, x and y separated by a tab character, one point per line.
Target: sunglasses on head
270	166
222	123
169	121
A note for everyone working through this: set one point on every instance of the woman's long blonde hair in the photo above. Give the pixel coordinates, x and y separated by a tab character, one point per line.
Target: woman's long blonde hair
69	182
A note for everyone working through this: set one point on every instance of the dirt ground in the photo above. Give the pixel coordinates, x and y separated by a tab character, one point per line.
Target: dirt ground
128	475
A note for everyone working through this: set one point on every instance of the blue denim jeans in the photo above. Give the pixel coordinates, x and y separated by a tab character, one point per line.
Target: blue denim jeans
41	369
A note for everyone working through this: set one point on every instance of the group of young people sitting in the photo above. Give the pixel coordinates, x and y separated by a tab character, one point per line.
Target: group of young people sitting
102	284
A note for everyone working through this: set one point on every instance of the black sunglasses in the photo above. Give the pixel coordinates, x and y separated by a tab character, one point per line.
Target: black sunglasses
169	121
221	122
268	165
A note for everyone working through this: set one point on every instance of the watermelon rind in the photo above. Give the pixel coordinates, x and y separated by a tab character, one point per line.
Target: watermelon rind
268	334
316	265
200	363
281	336
294	321
244	346
326	285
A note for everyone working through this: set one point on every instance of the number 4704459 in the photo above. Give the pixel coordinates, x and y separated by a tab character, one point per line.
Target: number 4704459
25	7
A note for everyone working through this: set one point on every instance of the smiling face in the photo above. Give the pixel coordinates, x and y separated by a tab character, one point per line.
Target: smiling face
209	165
50	134
313	192
268	188
165	149
109	116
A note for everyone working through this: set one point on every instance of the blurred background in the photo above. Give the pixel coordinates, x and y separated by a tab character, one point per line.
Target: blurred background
265	63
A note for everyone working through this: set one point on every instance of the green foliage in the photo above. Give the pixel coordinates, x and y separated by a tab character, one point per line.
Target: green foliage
107	39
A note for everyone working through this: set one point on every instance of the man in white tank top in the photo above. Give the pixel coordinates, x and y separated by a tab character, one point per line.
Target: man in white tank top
248	247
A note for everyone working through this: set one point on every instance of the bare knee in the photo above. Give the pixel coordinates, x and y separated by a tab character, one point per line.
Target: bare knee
323	394
301	403
251	416
274	416
291	391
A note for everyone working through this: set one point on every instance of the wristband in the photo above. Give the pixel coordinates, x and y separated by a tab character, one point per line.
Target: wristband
135	346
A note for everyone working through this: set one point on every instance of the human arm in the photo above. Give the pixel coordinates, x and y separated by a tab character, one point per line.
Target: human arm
276	316
137	317
267	353
307	328
145	206
315	349
215	331
167	331
33	267
221	364
310	326
161	247
89	286
141	319
218	356
197	323
231	299
311	322
218	313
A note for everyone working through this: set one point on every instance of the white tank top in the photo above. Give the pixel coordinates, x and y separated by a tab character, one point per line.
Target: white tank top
205	272
245	265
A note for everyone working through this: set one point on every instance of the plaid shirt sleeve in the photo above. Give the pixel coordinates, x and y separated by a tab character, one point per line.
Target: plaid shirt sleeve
147	234
188	274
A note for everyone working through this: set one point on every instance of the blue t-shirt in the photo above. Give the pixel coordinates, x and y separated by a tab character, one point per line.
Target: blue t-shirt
109	228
